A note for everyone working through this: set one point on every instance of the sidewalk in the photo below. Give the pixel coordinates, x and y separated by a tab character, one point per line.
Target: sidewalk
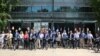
49	52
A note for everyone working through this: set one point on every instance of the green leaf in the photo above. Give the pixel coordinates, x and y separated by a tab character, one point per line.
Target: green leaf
96	8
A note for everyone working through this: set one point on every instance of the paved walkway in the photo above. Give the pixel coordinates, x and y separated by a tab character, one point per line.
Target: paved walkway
49	52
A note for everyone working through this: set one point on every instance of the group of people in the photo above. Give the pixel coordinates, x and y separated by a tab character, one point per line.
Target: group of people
46	38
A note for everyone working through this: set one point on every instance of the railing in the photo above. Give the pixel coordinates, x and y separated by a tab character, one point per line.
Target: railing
52	20
54	14
67	3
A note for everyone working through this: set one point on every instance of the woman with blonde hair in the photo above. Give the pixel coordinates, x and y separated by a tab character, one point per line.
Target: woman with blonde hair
21	35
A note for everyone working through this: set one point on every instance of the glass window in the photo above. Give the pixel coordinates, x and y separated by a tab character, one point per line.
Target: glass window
72	9
36	8
41	9
21	9
46	8
32	9
65	9
85	9
61	9
42	0
64	1
58	0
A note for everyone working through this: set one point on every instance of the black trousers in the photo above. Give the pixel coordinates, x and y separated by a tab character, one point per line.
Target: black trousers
71	43
32	43
65	42
76	43
52	43
45	43
26	43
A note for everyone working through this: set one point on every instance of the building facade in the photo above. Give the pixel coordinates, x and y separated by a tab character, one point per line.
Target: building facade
53	13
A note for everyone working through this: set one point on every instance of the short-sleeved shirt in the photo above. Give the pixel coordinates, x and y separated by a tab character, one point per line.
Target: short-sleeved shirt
41	35
76	35
89	36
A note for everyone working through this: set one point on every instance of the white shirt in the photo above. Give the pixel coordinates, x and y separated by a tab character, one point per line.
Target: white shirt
76	35
2	37
89	36
21	35
41	35
64	33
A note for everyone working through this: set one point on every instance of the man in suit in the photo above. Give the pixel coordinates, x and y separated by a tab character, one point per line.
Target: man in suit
53	38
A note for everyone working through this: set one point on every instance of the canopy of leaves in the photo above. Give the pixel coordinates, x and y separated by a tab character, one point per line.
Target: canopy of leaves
5	8
96	8
5	5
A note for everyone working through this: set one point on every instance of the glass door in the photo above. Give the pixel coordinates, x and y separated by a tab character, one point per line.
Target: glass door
38	25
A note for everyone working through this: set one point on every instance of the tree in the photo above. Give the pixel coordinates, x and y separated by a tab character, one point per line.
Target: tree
96	8
5	9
